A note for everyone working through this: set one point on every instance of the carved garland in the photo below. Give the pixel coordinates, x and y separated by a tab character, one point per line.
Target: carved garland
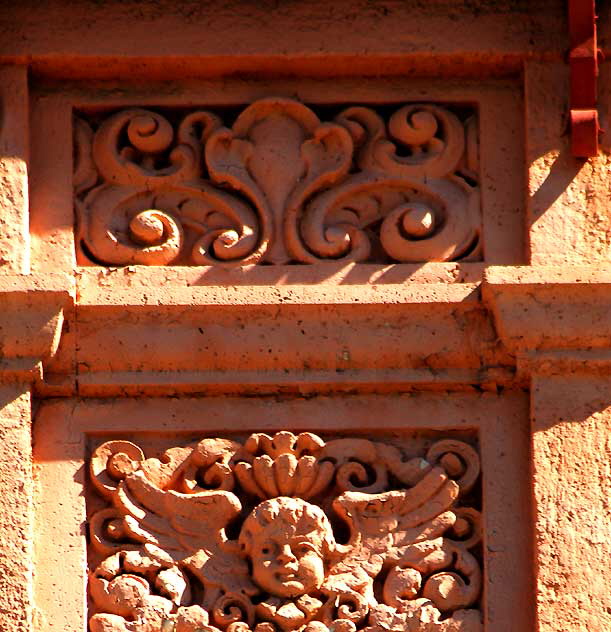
279	186
221	536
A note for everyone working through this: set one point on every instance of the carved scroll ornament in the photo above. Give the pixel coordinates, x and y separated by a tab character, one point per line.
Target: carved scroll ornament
279	186
285	533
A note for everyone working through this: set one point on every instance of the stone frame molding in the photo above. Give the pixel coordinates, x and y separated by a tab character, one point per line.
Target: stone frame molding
496	421
54	105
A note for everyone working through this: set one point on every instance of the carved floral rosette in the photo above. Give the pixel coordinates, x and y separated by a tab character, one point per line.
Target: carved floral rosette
279	186
285	533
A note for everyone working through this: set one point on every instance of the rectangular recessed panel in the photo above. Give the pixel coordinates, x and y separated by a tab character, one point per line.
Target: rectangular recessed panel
158	513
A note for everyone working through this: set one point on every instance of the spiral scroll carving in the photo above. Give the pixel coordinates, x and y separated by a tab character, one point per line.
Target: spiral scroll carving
279	186
286	533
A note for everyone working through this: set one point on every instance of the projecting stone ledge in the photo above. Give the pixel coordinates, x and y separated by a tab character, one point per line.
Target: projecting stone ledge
31	319
554	319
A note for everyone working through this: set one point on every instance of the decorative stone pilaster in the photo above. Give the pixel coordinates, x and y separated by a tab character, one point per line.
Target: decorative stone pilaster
31	318
16	508
557	322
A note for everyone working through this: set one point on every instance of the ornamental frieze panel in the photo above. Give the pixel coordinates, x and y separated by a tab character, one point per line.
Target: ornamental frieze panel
277	184
286	533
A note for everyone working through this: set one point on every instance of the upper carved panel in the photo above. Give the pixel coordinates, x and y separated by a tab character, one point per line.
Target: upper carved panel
286	533
278	186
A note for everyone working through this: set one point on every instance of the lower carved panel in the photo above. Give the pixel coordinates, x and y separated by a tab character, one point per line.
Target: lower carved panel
286	533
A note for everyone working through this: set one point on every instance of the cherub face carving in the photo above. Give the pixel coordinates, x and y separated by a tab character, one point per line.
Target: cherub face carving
287	541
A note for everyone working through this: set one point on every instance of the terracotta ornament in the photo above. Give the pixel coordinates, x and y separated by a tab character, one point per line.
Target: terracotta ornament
285	534
279	186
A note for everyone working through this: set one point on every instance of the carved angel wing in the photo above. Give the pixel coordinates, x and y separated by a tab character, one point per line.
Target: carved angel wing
383	525
190	527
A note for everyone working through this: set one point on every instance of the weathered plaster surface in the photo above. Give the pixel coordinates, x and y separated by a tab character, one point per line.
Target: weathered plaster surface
568	197
16	507
14	231
572	486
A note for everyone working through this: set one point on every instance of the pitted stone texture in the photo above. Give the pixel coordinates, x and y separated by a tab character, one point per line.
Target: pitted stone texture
14	221
569	217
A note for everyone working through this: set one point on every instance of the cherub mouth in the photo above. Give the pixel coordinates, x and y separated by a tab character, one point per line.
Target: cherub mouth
287	575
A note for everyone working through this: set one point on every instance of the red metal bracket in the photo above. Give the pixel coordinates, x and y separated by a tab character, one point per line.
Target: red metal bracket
583	62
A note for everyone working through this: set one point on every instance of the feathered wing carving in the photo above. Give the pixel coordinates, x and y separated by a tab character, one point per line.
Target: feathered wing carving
385	524
401	532
163	538
190	527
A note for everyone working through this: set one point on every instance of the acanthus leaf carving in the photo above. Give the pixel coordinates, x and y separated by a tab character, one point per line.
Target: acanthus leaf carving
279	186
226	536
278	148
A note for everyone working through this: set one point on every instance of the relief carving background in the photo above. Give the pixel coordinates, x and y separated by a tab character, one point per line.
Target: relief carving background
286	533
278	186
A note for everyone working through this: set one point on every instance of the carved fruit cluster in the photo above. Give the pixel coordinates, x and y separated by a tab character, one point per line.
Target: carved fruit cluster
222	536
279	186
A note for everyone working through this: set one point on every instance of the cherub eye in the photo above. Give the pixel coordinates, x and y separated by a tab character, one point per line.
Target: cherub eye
266	550
304	548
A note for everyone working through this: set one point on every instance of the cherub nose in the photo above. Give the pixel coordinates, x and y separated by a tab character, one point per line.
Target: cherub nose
285	555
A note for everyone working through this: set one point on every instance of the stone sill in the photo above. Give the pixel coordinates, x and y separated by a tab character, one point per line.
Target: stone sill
325	274
248	296
519	276
49	283
172	330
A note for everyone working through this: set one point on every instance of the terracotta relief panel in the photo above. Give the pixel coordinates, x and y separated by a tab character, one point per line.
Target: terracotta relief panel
277	183
285	532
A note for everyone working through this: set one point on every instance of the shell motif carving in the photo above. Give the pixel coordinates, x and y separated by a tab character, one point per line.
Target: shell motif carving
285	533
279	186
